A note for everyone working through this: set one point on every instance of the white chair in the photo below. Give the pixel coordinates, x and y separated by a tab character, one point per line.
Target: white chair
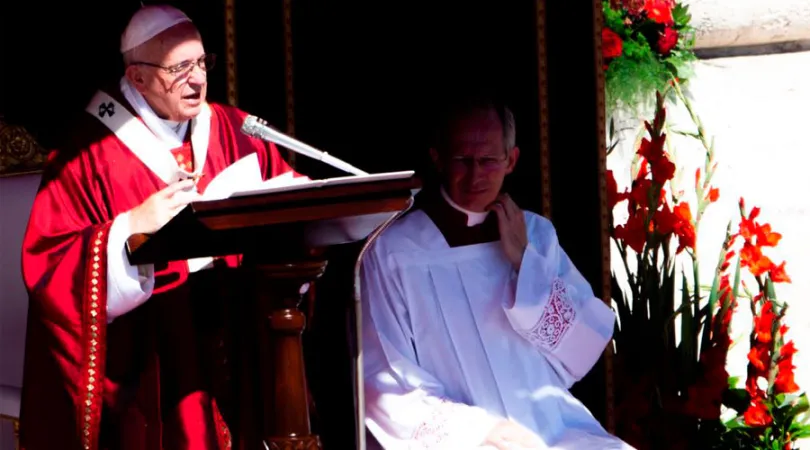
10	409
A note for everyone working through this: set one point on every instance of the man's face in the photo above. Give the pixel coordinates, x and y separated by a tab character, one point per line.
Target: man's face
475	162
176	89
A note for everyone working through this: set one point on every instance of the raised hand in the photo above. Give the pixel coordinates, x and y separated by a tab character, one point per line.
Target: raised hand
162	206
512	227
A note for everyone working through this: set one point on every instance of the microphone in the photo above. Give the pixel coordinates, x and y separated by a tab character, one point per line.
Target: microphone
258	128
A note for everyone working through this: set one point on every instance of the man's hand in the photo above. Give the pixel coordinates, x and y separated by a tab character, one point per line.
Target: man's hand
512	227
159	209
508	435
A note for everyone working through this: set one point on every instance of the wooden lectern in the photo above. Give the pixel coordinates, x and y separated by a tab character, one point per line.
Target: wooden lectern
282	237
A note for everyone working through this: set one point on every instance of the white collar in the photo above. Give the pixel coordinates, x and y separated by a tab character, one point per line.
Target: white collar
170	132
473	218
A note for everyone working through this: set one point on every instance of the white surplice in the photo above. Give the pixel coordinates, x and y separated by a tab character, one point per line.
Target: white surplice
454	339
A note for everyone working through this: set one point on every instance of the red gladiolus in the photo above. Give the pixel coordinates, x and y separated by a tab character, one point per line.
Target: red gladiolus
784	383
778	275
757	415
763	323
714	194
633	232
759	358
611	44
684	228
751	256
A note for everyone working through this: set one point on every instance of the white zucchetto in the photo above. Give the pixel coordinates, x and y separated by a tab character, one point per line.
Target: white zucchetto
148	22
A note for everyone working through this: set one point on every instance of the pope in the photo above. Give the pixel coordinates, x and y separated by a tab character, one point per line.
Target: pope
116	356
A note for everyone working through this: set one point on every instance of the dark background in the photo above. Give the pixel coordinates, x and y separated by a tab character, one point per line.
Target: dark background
368	76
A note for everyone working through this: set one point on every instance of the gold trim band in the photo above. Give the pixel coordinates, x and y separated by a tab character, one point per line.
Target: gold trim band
230	52
542	88
604	217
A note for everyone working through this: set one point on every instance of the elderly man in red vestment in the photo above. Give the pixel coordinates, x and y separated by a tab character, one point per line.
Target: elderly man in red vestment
113	355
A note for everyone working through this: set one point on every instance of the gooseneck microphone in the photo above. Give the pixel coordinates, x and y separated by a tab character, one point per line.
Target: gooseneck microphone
258	128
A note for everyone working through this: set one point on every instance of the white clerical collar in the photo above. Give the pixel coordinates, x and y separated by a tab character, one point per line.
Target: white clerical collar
473	218
171	132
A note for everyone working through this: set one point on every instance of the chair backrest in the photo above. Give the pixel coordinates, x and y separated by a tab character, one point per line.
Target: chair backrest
16	196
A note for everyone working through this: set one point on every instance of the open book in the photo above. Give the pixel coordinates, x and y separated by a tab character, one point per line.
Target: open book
244	177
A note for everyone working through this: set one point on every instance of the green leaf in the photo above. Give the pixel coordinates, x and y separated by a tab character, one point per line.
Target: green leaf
688	344
736	423
687	134
799	431
733	382
736	399
800	406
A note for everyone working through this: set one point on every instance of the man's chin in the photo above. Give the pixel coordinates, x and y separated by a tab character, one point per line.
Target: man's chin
191	112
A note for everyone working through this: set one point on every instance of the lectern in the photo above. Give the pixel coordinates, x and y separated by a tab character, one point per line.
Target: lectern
281	237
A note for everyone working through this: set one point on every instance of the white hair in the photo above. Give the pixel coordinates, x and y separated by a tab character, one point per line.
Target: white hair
460	110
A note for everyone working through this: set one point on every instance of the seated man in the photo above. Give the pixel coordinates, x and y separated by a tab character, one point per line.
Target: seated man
475	321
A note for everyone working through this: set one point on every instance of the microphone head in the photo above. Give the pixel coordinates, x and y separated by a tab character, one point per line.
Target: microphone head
250	126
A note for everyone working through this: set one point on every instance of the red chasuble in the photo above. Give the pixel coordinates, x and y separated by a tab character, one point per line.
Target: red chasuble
143	381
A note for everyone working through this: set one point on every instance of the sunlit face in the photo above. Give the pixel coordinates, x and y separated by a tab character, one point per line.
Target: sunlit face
171	73
475	162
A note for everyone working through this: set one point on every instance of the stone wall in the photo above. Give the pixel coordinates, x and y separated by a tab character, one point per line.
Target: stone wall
730	23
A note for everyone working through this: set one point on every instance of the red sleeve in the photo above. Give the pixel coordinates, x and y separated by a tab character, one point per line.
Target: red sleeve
64	267
277	165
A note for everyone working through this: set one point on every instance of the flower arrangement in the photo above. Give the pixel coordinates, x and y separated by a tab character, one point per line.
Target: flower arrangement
670	392
767	410
645	44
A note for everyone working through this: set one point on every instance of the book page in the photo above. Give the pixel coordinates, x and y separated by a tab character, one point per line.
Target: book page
294	184
244	174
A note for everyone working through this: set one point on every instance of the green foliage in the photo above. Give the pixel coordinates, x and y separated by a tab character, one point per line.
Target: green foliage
632	78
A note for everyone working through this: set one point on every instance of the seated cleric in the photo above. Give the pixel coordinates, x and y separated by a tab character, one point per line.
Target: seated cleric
475	321
114	356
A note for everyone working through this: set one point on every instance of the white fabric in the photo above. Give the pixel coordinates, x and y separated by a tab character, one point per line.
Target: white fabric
473	218
147	144
454	335
129	286
148	22
164	130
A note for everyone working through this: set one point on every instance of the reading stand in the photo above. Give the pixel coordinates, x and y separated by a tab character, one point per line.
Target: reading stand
282	236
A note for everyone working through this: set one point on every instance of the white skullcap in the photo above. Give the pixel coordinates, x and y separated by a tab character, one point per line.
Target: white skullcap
148	22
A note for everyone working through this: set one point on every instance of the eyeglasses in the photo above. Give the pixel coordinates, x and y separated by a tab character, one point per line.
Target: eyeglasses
206	63
486	163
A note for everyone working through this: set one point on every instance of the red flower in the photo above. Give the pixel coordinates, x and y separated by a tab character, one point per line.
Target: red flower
634	7
759	358
784	383
714	194
757	415
766	238
633	232
667	40
751	256
763	323
789	349
659	11
778	275
611	44
684	228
